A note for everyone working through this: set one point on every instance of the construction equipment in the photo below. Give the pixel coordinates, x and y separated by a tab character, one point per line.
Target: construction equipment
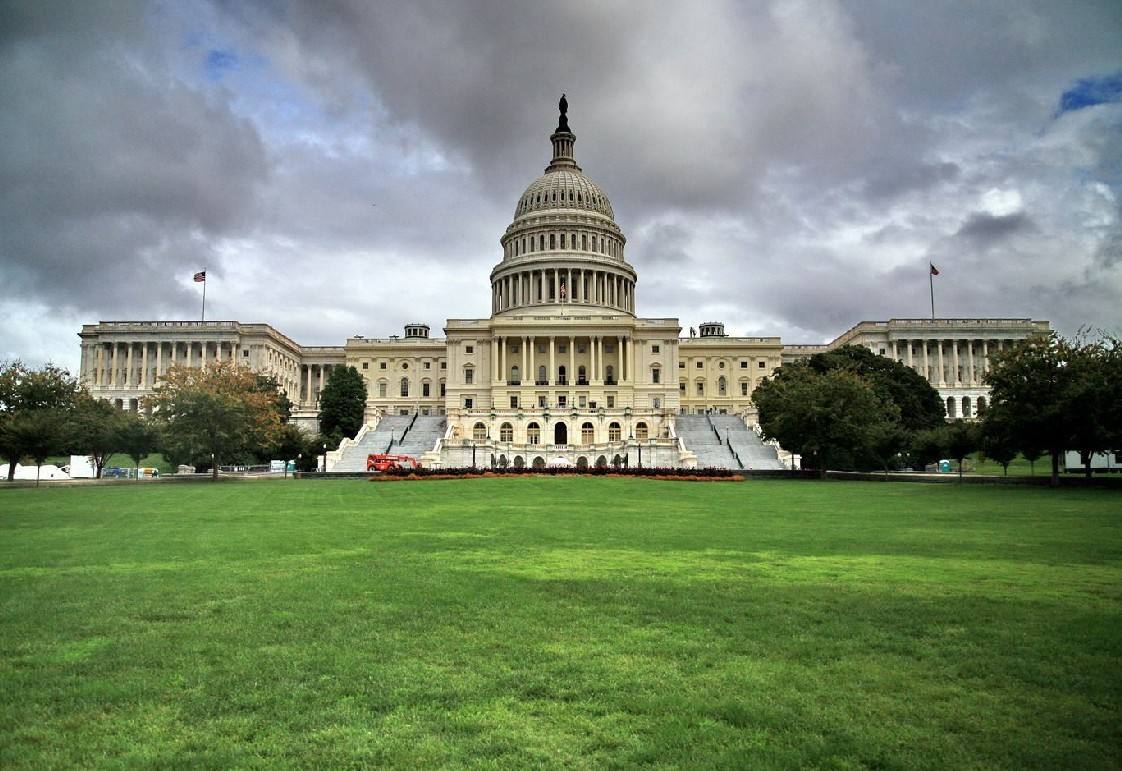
386	462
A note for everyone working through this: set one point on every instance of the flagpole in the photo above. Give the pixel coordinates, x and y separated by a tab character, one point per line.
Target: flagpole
202	317
930	281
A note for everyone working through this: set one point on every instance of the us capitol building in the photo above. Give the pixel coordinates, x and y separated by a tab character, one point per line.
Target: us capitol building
563	370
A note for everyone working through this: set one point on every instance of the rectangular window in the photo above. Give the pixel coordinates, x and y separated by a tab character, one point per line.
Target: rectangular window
762	364
562	400
656	403
541	400
656	376
424	389
743	364
611	401
382	390
562	348
428	365
245	353
700	364
541	347
583	401
701	389
469	376
682	386
469	349
681	365
468	402
744	389
609	348
366	365
514	402
654	349
442	390
444	365
381	365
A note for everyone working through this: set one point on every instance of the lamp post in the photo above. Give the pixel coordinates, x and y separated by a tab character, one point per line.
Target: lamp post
325	457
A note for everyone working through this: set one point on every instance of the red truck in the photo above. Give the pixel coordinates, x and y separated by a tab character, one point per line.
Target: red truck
384	462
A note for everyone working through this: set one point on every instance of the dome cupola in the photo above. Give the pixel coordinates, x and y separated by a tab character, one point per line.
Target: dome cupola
564	247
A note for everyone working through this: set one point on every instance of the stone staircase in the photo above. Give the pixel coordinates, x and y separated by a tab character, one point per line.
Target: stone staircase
725	441
398	434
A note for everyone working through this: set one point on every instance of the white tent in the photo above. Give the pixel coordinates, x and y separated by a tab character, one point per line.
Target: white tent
46	471
560	463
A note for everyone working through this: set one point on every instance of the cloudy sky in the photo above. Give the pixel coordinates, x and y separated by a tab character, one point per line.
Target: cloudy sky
345	166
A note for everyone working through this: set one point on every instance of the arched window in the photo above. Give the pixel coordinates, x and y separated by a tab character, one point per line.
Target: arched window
641	431
966	406
541	375
582	462
539	462
981	408
519	461
951	411
582	375
533	433
515	375
561	375
405	386
479	432
656	374
425	388
609	375
587	434
601	462
722	385
613	432
506	433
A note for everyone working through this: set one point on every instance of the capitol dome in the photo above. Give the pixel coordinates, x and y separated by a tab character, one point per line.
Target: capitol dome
564	247
564	189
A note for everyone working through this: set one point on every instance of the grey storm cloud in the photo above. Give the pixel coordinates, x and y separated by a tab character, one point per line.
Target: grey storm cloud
789	167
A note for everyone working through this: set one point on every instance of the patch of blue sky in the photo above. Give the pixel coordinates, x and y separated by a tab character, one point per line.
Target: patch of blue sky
1091	91
218	62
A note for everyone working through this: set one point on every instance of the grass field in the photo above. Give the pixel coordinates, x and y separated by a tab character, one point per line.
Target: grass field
570	622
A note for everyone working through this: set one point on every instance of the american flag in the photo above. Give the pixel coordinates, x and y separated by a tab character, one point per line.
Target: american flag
200	277
562	288
934	270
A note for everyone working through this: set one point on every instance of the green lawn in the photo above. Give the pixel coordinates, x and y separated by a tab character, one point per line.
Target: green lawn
576	622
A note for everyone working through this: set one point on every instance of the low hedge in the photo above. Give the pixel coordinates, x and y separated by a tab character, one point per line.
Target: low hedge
659	473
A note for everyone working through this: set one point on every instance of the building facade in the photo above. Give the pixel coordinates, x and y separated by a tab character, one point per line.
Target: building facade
563	365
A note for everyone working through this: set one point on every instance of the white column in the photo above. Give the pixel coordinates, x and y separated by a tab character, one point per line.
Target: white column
113	371
970	362
894	354
144	366
308	397
927	365
502	359
190	346
159	359
128	364
525	355
494	359
942	370
552	374
985	357
955	362
320	391
909	344
620	359
572	373
631	359
591	359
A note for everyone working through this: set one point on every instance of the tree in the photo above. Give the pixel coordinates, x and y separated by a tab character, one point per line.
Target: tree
919	404
820	414
342	403
136	437
962	439
1060	395
28	397
929	446
997	441
214	414
94	429
267	384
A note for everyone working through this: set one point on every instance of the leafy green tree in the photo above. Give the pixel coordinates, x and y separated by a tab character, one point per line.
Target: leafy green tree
997	441
1059	395
39	433
929	446
887	440
93	429
29	398
962	439
1032	454
268	384
919	404
136	437
342	403
214	414
820	414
